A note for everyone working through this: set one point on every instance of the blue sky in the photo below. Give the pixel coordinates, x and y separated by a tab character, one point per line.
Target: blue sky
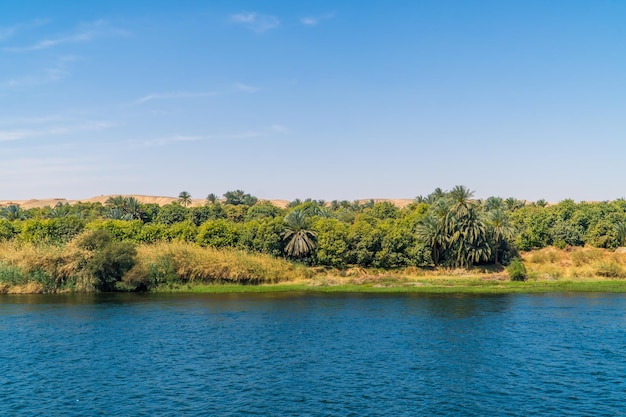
321	99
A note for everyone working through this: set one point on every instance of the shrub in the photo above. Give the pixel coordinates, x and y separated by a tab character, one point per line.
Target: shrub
12	275
7	230
584	256
109	264
517	270
610	269
219	234
109	260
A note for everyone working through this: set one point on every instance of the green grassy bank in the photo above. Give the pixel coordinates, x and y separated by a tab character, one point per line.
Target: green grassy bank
92	263
469	286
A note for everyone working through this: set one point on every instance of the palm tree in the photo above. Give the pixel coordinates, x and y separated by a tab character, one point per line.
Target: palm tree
455	230
494	203
468	239
620	233
513	204
301	241
430	231
294	203
123	208
239	197
59	210
117	214
461	203
117	201
184	198
437	194
211	198
132	207
501	229
12	212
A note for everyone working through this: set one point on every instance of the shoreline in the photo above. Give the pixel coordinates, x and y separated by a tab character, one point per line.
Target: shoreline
462	286
442	285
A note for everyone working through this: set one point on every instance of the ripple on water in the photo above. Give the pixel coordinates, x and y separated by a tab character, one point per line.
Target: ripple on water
313	355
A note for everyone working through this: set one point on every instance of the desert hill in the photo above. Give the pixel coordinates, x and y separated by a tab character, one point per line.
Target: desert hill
160	200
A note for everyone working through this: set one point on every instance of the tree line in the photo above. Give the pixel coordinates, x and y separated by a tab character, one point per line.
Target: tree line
444	228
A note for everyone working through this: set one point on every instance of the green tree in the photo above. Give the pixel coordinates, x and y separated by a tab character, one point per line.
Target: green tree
333	248
219	234
212	199
109	259
501	230
12	212
431	232
620	233
263	210
123	208
239	197
172	213
184	198
300	240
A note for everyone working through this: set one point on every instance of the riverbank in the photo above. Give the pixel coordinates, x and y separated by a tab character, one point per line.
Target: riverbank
180	267
444	285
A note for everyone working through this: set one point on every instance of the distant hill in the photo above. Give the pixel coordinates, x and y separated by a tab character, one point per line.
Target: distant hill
146	199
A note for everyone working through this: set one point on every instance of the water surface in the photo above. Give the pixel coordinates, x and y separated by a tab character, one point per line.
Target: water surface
319	355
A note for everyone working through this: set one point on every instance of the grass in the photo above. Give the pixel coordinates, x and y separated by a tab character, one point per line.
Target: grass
445	287
184	267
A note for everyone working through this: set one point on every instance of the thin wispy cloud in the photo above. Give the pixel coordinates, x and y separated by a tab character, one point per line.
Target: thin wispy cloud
85	32
7	32
280	129
172	139
246	88
256	22
31	120
56	72
315	20
246	134
173	95
53	130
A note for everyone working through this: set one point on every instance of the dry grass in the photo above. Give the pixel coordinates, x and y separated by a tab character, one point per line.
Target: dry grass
30	268
575	263
183	262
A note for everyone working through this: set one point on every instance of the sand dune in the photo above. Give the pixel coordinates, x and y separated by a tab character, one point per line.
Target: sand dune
146	199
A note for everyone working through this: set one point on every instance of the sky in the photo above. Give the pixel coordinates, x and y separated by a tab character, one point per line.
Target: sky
320	99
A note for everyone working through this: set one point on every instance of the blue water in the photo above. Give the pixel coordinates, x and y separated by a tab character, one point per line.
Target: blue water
317	355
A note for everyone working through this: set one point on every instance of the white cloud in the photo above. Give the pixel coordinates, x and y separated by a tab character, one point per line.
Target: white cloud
309	21
173	95
7	32
315	20
85	32
246	88
171	139
256	22
279	129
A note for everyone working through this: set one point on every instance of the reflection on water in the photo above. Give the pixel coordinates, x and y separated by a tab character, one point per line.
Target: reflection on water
307	354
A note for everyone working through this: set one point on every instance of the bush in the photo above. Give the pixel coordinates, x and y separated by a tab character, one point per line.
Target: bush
109	260
610	269
109	264
517	270
12	275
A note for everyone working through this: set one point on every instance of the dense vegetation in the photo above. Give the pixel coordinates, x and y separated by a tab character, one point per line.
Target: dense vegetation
449	229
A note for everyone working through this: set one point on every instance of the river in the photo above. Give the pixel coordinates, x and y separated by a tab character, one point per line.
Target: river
312	355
